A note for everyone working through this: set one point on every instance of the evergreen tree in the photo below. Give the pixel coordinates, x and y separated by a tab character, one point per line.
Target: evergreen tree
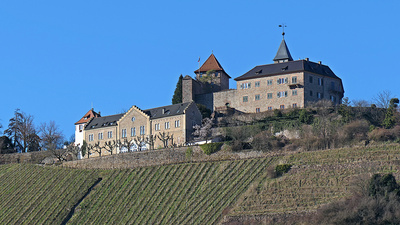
177	98
390	120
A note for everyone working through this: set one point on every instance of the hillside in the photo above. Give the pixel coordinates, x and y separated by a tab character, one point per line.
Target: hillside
229	192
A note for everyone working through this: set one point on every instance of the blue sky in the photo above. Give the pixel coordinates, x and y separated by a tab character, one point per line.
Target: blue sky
58	58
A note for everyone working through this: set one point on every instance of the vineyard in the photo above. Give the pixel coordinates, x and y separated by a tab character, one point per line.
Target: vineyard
186	193
316	178
32	194
193	193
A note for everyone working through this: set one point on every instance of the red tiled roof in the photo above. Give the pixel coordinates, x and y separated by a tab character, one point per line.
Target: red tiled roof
89	115
210	64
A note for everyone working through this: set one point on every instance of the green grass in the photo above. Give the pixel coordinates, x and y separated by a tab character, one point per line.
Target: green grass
188	193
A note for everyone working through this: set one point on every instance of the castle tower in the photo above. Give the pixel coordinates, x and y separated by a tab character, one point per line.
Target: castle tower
283	54
80	125
211	72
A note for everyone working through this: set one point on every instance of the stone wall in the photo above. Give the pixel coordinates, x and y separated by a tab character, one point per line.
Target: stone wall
225	97
159	157
206	100
29	157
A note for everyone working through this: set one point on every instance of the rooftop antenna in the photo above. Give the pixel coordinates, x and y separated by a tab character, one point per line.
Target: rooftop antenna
283	29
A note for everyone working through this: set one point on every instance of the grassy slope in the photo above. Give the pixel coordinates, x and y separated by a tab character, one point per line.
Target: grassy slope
32	194
316	178
192	193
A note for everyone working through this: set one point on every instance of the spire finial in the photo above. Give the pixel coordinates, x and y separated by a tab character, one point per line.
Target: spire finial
283	29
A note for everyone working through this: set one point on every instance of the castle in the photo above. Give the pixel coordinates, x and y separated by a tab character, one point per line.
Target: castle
283	84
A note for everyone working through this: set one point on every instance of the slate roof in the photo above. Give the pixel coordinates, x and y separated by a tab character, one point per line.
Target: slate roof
288	67
211	64
169	110
105	121
89	115
283	52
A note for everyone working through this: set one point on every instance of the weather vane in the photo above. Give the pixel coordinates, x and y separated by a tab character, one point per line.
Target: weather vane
283	28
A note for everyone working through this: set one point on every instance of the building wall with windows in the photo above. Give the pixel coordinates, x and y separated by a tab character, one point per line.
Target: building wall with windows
134	123
271	92
177	120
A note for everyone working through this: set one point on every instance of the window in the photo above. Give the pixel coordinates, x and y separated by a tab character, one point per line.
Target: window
269	95
80	128
245	99
90	137
157	126
257	97
320	95
282	106
269	108
245	85
133	119
311	93
257	84
282	94
294	80
257	110
100	136
320	82
142	131
294	105
282	80
133	132
333	85
109	134
294	92
310	79
177	123
269	82
333	98
166	125
123	133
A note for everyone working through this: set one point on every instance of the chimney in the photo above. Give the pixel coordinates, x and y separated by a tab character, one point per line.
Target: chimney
307	59
319	62
163	111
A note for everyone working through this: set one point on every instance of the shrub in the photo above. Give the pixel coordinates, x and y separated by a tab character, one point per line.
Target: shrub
305	117
210	148
282	168
381	205
355	131
381	134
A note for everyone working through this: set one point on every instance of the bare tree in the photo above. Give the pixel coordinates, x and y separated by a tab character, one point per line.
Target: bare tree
22	132
73	149
97	148
164	137
140	142
382	99
361	103
129	144
150	140
89	150
109	146
203	132
51	136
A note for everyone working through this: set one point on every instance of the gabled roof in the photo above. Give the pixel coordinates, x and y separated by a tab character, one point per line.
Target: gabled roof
105	121
169	110
89	115
211	64
288	67
283	52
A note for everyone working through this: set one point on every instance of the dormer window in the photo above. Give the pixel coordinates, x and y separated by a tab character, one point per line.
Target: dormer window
284	68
